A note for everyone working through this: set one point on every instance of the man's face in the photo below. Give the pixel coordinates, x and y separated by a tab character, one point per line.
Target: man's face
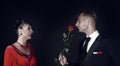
82	23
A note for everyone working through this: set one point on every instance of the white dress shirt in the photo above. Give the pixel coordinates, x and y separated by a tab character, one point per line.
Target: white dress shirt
93	37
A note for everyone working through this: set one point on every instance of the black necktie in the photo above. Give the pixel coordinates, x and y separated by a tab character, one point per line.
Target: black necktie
84	50
86	43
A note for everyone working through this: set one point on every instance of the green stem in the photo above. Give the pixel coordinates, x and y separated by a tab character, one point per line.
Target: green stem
66	41
68	35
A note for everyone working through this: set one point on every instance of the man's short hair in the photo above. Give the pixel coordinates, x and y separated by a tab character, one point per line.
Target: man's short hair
89	13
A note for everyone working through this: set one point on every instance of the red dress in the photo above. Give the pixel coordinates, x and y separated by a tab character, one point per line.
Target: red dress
13	57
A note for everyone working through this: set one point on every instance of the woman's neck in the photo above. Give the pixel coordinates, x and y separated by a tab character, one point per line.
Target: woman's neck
22	41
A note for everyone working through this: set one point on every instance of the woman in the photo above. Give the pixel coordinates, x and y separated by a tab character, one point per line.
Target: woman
20	53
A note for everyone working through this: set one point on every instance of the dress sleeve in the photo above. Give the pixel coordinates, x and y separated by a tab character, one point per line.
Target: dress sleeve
33	60
8	56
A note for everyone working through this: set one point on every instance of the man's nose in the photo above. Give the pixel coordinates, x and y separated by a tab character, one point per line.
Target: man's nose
76	24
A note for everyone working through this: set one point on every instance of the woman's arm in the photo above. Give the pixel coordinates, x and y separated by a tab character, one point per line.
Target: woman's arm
8	56
33	60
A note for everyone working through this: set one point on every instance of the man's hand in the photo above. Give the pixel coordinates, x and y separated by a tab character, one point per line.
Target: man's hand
62	59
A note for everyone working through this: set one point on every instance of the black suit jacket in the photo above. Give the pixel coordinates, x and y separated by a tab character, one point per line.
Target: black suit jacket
103	52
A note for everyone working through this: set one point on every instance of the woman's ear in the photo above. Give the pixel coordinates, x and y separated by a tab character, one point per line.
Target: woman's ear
19	32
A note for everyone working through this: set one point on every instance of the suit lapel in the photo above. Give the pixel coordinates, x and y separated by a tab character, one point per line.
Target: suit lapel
95	45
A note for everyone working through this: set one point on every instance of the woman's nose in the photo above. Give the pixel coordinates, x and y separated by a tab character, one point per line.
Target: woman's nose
31	31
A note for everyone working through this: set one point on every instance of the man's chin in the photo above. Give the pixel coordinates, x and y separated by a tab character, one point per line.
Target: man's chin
79	30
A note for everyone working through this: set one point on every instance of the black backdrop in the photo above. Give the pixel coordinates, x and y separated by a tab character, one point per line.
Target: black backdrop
49	19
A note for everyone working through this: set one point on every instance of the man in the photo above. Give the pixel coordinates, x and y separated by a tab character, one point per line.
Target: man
99	51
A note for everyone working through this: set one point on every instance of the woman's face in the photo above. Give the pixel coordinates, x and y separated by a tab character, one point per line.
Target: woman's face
26	31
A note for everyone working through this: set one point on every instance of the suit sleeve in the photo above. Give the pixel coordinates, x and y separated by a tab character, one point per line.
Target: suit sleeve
75	53
8	56
114	50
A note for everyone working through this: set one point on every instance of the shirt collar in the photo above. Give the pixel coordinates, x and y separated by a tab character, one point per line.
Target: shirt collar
94	34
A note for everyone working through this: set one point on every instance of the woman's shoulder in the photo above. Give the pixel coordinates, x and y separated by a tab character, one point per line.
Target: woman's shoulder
10	47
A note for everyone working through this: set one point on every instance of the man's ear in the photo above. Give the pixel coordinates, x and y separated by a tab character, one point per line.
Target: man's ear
89	21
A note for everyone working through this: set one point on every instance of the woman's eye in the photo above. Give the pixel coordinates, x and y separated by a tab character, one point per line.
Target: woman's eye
29	28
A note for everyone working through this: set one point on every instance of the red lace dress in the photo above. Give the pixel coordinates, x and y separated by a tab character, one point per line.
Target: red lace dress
13	57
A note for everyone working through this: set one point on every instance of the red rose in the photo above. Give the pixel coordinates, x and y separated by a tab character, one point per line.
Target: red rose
70	27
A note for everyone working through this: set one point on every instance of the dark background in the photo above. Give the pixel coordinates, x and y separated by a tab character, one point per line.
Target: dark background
50	19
